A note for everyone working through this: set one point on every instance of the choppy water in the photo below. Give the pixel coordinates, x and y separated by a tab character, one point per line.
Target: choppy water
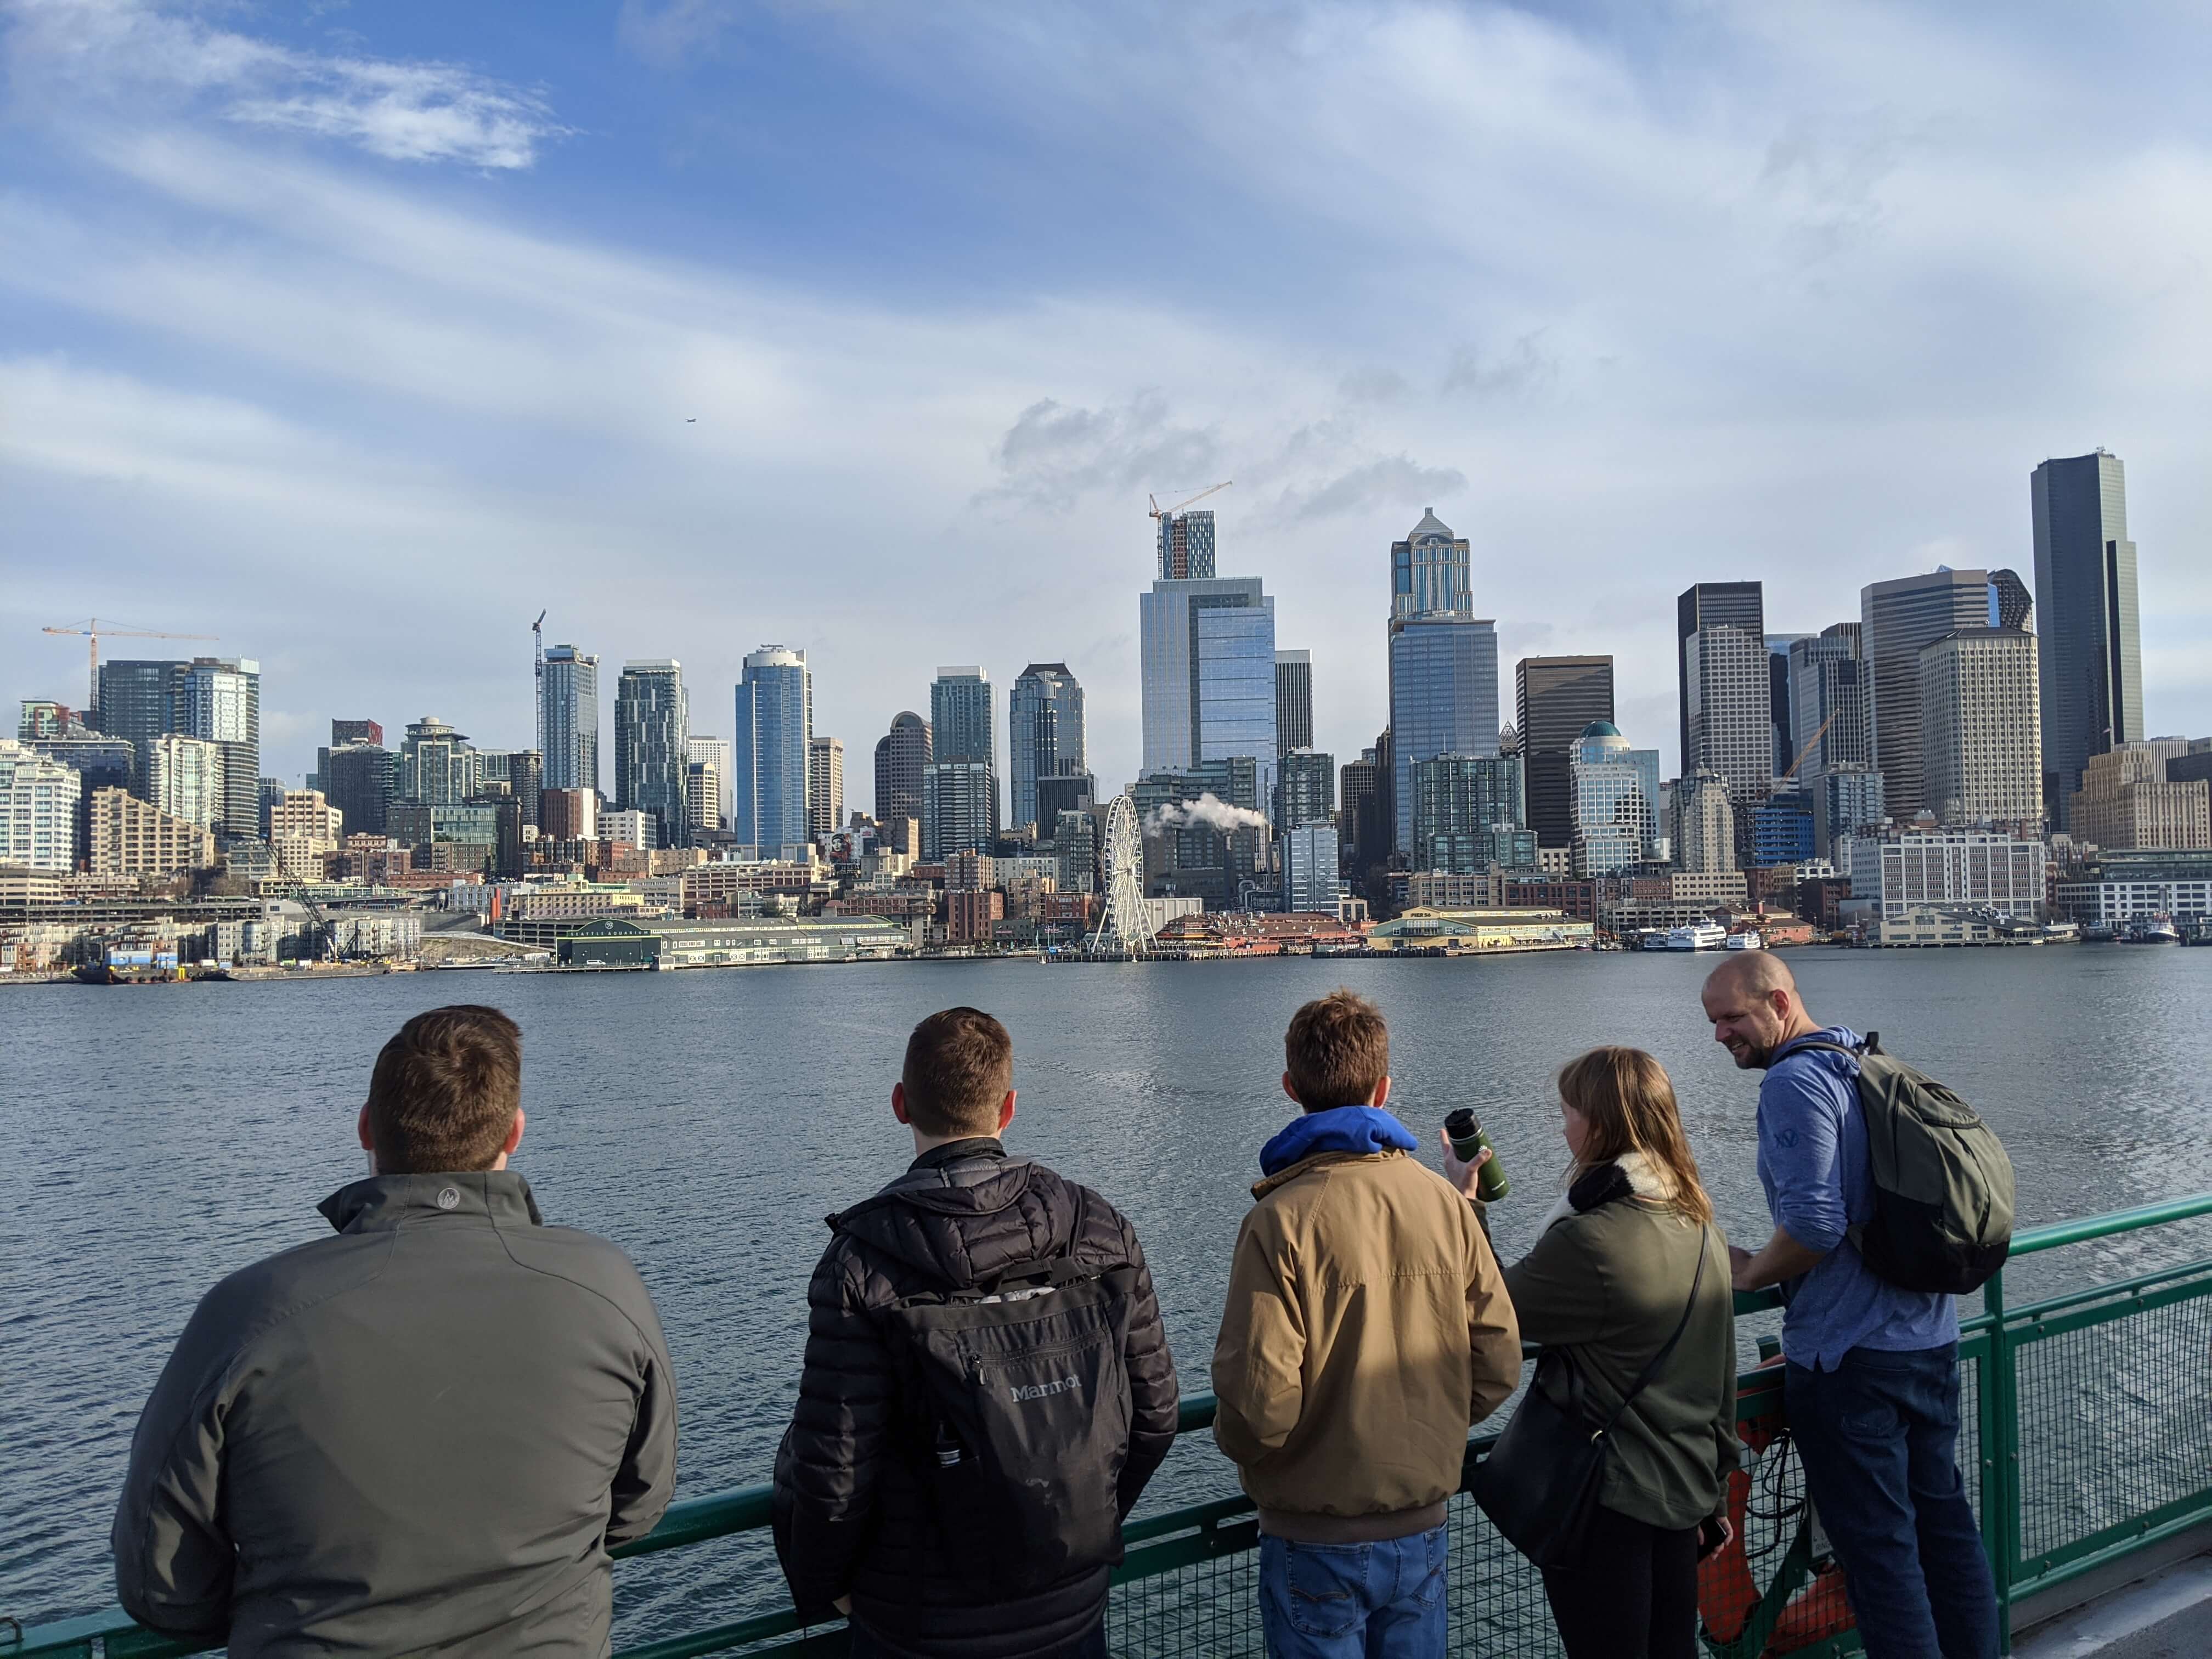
152	1140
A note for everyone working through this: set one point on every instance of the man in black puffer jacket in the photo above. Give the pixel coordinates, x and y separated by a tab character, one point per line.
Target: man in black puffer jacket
859	1484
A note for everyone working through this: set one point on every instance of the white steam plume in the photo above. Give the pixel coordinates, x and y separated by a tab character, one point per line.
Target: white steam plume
1208	811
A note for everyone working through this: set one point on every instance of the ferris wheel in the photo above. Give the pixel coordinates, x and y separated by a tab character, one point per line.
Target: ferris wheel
1125	927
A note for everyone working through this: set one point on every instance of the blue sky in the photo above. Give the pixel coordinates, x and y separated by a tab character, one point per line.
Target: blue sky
355	335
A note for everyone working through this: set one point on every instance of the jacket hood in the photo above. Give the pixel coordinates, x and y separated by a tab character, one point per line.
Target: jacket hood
924	1218
1630	1176
1360	1131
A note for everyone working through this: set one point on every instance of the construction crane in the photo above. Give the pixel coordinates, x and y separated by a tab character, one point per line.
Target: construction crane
93	630
1811	744
537	635
1159	511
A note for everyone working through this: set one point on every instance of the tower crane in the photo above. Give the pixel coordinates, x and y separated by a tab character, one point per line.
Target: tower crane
92	630
1159	511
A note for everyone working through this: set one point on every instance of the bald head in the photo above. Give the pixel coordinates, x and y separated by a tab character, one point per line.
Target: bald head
1752	1002
1754	974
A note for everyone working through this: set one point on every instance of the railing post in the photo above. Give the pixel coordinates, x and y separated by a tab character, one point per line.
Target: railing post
2000	1430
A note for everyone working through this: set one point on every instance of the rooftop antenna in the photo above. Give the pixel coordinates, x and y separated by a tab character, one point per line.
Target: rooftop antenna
538	682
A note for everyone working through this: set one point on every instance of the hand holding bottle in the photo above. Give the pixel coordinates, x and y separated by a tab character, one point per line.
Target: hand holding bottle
1470	1163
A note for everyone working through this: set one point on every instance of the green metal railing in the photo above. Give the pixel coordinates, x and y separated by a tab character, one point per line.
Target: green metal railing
2107	1392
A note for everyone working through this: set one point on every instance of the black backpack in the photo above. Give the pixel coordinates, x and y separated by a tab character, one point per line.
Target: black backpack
1020	1418
1942	1184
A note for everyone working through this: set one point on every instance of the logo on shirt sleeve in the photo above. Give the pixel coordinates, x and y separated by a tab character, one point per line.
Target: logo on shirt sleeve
1785	1137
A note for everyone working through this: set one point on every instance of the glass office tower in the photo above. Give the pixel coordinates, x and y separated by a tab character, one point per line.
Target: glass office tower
768	755
2091	668
652	747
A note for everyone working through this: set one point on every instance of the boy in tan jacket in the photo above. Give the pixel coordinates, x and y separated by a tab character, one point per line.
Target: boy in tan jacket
1367	1328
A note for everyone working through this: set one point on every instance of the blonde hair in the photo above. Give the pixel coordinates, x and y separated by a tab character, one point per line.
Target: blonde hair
1625	1097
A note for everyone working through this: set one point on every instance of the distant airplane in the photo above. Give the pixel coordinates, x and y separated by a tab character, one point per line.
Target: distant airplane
691	420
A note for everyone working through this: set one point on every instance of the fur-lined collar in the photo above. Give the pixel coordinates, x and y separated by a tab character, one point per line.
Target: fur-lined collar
1630	1176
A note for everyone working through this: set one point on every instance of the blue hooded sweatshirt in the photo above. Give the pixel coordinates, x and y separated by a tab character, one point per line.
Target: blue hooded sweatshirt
1359	1129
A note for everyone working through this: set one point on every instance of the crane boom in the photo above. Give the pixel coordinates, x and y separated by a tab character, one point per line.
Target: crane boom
92	630
1158	511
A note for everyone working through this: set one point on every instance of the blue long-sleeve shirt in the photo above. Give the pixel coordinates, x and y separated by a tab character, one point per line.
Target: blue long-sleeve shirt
1819	1179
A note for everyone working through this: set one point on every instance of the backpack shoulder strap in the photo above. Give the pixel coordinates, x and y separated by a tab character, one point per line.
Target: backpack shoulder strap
1651	1370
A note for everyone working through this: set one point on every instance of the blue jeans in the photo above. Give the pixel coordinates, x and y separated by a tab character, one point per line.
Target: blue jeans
1880	1435
1381	1601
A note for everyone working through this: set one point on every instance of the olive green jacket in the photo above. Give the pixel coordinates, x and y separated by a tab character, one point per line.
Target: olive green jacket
1610	1283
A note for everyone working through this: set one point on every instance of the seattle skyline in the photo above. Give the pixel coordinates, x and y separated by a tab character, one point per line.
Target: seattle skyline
359	381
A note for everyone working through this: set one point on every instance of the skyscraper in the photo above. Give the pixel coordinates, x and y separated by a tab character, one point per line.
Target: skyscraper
184	778
1044	736
360	779
703	796
568	718
1309	880
652	746
1305	791
959	808
1208	653
961	728
825	786
1711	605
1616	801
218	699
1431	570
1781	699
1470	811
1555	700
1731	722
1444	663
1360	829
1827	714
1981	742
137	702
713	752
1293	701
1897	620
1186	546
437	767
901	754
1704	824
768	755
2092	642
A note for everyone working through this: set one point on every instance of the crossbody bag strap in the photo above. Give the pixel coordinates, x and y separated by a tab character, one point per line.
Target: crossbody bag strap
1697	1280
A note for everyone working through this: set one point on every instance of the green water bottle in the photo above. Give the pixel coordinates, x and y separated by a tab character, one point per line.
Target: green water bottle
1464	1130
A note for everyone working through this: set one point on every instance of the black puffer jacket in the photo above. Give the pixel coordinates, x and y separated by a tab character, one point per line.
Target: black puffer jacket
852	1516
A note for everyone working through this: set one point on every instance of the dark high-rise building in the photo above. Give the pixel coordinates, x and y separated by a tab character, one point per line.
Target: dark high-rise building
1305	789
1186	546
1897	620
1293	701
901	754
2092	643
652	746
136	703
1070	792
355	732
215	699
1555	700
1711	605
360	779
1827	712
960	731
1044	736
1361	820
1781	701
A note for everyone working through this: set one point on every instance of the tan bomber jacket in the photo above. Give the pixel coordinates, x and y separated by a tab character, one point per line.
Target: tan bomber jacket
1367	1328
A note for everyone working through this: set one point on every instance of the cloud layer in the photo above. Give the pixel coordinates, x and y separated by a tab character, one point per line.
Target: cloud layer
871	332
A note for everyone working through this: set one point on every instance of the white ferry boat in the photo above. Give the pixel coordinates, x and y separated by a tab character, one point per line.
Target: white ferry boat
1700	936
1750	939
1655	940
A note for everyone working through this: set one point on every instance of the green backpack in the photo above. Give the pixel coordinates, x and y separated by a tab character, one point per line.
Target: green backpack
1942	1184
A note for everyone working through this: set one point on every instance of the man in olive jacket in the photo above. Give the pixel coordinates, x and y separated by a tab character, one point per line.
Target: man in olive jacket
1367	1328
421	1434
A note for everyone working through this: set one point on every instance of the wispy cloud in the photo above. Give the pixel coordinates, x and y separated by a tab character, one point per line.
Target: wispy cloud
1053	456
122	50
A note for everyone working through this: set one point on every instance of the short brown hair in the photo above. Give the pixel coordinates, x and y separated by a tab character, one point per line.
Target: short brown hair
1627	1099
446	1090
1337	1051
959	1065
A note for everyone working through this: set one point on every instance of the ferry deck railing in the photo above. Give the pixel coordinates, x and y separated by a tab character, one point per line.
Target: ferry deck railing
2086	1440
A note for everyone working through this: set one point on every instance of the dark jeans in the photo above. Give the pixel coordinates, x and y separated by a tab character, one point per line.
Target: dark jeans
1636	1597
1092	1646
1880	1438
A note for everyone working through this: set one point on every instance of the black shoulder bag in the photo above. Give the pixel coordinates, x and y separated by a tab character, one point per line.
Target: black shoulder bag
1540	1484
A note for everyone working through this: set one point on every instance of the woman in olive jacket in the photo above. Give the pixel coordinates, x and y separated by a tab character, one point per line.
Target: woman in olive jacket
1608	1279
